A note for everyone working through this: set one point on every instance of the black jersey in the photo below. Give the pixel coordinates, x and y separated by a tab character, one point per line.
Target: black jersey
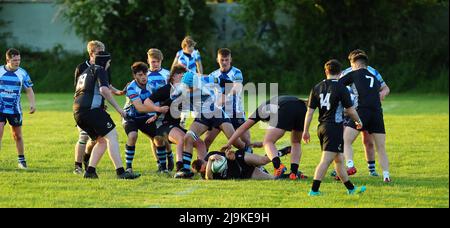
233	170
87	93
331	97
82	67
273	107
165	96
368	88
283	112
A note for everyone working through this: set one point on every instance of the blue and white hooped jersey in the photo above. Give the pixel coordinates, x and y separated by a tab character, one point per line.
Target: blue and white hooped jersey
11	84
234	105
189	60
157	79
352	88
204	96
134	92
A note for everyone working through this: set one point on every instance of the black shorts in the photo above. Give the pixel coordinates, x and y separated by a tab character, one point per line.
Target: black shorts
236	122
14	120
96	122
372	120
135	124
290	117
212	122
246	170
331	137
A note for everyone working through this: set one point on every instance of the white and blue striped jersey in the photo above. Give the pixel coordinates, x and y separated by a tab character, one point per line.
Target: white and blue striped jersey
157	79
352	88
205	93
11	84
234	105
134	92
189	60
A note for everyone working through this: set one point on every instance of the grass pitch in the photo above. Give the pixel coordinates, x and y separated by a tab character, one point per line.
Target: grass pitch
417	145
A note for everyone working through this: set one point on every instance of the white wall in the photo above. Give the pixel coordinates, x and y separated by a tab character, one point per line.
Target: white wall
35	25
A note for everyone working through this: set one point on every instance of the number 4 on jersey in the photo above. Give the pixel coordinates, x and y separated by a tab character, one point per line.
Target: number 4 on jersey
325	102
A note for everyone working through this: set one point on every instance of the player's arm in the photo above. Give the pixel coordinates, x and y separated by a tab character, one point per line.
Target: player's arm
148	106
106	92
175	61
308	118
349	109
76	75
238	133
198	63
116	91
384	91
208	172
31	99
313	103
199	66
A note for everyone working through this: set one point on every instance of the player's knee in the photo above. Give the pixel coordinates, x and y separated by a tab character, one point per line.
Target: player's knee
159	141
368	143
132	137
190	138
83	138
17	137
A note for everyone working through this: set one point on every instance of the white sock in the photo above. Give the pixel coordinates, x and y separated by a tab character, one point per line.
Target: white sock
385	174
350	164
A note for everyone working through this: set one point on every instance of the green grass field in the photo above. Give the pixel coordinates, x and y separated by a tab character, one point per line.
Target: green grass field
417	145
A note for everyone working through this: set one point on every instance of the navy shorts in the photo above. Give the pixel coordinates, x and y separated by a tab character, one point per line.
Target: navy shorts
331	137
96	122
372	120
212	122
14	120
135	124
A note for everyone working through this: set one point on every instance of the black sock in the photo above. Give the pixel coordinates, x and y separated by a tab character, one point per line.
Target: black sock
179	165
294	168
90	169
86	157
349	185
371	166
78	164
120	170
316	185
21	158
276	162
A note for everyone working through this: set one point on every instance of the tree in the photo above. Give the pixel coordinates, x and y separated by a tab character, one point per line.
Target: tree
130	27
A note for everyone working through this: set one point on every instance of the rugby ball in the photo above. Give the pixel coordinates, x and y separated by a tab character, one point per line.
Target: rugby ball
218	166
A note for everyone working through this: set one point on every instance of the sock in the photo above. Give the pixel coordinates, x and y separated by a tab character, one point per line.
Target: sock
276	162
90	169
350	164
187	157
294	168
284	151
316	185
120	170
179	165
129	155
349	185
169	155
78	164
162	154
21	158
385	174
86	158
371	166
